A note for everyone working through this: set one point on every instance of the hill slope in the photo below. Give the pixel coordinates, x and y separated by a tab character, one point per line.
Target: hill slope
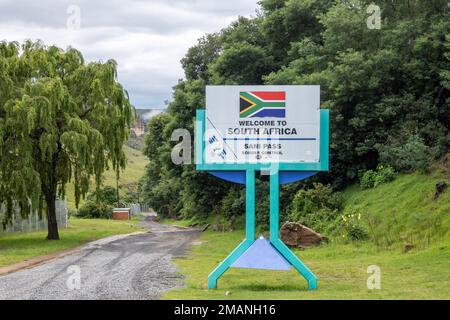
134	170
404	210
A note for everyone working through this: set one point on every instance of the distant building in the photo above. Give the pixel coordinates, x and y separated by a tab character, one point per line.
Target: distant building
139	126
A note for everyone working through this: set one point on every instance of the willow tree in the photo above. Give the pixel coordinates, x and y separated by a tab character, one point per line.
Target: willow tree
61	120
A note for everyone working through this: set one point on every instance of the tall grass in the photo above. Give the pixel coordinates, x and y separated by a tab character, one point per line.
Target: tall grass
403	211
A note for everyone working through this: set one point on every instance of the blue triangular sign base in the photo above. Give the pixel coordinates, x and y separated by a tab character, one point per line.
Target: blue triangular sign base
262	255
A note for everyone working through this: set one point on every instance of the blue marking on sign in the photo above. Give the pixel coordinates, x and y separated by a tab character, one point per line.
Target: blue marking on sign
221	137
212	139
271	139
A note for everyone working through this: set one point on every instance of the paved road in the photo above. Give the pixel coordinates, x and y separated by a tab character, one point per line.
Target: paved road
135	267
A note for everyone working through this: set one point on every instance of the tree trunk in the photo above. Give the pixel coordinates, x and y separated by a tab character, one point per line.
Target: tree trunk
117	192
53	233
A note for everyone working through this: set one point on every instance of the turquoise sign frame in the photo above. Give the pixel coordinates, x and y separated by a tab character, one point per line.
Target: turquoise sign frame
279	173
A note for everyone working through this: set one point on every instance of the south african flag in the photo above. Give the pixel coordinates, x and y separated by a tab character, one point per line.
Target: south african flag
260	104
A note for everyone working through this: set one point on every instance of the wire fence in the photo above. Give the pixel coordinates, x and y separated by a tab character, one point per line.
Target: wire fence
33	222
136	208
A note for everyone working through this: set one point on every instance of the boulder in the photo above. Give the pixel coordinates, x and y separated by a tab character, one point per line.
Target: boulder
408	247
297	235
440	188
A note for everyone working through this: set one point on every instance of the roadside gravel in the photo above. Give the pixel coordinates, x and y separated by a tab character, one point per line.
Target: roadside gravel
135	267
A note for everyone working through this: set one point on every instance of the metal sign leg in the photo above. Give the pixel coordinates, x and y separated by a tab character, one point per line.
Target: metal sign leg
274	234
249	231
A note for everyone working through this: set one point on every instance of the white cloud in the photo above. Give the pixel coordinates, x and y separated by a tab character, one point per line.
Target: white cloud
146	38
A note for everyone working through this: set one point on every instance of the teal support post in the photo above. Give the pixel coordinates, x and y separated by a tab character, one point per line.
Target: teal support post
274	205
250	192
297	263
274	234
324	139
249	231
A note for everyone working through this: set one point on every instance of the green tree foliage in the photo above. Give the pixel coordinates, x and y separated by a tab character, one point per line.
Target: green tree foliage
378	83
195	63
61	120
241	64
387	90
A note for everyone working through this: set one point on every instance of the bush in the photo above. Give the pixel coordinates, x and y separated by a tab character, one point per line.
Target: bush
373	178
93	209
317	207
406	155
72	212
357	232
106	195
352	227
367	180
233	204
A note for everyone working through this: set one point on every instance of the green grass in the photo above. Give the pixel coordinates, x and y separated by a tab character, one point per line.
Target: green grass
394	214
341	269
17	247
136	162
403	211
134	170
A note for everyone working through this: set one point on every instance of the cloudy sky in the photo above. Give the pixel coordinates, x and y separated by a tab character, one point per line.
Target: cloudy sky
146	38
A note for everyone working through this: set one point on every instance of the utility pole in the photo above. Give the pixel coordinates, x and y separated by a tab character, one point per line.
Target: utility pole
117	191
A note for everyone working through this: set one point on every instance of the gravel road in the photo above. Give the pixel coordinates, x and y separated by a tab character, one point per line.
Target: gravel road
134	267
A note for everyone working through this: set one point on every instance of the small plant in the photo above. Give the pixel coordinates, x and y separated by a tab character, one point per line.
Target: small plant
367	180
373	178
353	229
384	174
357	232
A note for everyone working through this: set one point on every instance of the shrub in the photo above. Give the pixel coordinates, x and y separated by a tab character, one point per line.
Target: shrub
406	155
93	209
233	204
72	212
317	207
367	180
352	227
357	232
107	195
373	178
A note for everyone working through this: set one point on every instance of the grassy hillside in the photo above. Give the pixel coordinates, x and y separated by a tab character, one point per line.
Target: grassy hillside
403	211
397	213
136	163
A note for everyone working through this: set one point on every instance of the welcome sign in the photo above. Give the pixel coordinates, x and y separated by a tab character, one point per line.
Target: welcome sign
262	124
277	129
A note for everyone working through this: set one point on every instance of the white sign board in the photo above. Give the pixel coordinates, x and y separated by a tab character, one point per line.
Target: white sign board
262	124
